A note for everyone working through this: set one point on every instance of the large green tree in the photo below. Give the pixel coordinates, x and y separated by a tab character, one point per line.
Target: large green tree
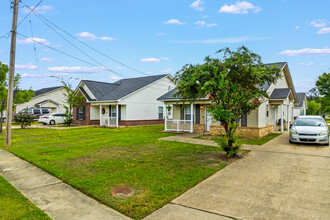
71	98
323	86
231	83
21	96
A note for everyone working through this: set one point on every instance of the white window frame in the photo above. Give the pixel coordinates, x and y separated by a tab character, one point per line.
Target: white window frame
186	112
161	112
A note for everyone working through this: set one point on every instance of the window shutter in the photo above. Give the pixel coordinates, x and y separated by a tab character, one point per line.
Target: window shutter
181	112
109	110
119	113
244	121
84	113
77	113
198	114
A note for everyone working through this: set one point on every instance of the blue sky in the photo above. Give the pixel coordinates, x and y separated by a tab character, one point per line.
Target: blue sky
157	37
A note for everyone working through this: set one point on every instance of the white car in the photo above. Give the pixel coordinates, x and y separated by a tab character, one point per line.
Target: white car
52	119
309	129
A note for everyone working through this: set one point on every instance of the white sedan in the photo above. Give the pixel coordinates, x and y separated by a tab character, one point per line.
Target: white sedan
52	119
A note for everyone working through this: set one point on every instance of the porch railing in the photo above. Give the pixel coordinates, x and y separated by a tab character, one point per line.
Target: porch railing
109	121
178	125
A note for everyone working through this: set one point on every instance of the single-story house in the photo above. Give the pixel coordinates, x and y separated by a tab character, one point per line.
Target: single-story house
51	98
302	106
126	102
192	115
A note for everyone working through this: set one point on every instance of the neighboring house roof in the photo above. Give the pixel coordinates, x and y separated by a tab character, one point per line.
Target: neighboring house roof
86	94
301	98
169	95
47	100
282	93
45	90
117	90
280	65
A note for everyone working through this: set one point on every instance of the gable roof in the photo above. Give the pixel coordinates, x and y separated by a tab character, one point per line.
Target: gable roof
169	95
301	98
117	90
45	90
281	93
280	65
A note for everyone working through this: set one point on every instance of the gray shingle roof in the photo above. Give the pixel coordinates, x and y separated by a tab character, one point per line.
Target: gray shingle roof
280	93
301	98
45	90
281	65
114	91
169	95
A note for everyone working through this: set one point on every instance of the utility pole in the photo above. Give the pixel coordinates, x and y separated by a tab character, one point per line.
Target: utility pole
11	74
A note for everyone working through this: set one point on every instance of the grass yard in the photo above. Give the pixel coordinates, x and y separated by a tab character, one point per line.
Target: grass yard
96	160
13	205
251	141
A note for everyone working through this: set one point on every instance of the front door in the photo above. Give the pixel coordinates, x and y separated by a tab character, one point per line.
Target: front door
208	120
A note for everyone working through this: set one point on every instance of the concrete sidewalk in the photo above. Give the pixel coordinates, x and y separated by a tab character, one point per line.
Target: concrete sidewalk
57	199
277	180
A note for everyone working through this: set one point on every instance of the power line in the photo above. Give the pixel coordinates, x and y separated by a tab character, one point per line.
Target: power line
34	44
87	45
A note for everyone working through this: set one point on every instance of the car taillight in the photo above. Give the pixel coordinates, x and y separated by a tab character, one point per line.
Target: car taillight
45	117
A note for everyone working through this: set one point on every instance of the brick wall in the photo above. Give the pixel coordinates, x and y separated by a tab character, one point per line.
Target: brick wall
141	122
255	132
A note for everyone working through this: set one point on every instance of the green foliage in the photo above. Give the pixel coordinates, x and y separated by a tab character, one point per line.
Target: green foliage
23	96
323	84
313	108
231	83
71	97
23	119
230	150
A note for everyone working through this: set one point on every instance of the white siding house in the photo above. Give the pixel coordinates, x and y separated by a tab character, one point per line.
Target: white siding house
302	106
46	98
123	103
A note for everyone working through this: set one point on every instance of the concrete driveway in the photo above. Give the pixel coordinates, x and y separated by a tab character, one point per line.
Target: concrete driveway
275	181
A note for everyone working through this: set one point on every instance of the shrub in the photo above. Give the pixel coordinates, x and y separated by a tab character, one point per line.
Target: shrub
230	150
23	119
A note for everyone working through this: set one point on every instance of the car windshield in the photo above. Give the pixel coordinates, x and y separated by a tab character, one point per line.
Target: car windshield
309	122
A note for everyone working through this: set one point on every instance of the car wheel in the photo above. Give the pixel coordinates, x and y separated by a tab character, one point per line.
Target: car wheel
291	142
52	122
44	123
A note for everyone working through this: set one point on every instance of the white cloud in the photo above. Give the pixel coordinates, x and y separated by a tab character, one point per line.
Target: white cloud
196	5
46	59
150	60
119	68
318	23
306	64
30	40
90	36
160	34
76	69
174	21
115	77
204	24
32	75
222	40
107	38
167	71
204	16
306	51
28	66
323	64
164	58
149	72
297	27
40	9
325	30
239	8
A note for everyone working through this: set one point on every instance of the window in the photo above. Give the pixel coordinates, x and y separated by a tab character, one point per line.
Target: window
267	110
160	112
187	112
36	111
113	111
45	110
81	113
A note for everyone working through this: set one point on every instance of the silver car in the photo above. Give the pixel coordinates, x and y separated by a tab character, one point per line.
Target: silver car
309	129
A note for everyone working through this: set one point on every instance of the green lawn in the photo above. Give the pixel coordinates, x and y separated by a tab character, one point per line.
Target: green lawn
13	205
95	160
252	141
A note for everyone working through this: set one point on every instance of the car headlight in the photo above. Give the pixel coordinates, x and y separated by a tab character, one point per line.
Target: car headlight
293	132
323	133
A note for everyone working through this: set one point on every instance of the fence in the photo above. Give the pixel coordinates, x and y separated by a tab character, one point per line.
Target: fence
178	125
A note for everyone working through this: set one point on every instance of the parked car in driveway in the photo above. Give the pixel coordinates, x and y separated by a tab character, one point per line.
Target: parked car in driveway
36	112
309	129
52	119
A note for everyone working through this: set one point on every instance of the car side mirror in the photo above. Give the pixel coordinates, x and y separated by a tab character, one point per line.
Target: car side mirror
291	123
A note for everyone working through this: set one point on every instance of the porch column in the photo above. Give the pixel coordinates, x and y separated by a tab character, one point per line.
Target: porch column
274	112
100	114
282	118
288	117
165	109
117	115
192	118
109	115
